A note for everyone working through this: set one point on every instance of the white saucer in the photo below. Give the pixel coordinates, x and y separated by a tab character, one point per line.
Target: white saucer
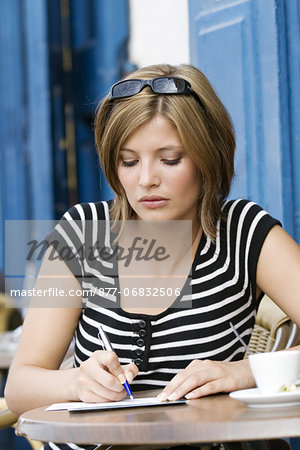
254	399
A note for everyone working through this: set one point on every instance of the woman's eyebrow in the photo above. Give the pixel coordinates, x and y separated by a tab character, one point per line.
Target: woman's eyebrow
160	149
124	149
170	147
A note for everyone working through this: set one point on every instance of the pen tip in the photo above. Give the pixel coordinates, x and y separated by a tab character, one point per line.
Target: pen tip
131	397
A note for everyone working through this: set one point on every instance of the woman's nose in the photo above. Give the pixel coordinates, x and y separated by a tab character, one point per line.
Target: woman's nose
149	176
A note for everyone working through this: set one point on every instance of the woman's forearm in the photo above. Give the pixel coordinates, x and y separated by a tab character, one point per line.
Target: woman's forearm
29	387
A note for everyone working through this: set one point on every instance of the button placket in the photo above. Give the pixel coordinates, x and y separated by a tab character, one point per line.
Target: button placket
140	342
142	324
138	362
140	329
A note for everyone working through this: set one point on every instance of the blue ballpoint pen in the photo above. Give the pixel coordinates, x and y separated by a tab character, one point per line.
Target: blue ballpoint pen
107	346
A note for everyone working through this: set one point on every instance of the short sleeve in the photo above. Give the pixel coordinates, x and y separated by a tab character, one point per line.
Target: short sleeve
259	224
70	238
67	240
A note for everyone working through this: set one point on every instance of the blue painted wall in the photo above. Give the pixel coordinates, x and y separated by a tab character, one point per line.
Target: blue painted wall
249	49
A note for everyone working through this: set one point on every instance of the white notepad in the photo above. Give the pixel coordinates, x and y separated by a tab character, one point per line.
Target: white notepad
127	403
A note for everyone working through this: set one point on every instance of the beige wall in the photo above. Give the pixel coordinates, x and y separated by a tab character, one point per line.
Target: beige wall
159	32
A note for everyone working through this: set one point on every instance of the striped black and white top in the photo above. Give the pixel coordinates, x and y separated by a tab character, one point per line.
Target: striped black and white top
223	282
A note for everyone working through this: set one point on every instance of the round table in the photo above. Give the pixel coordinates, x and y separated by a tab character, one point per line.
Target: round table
210	419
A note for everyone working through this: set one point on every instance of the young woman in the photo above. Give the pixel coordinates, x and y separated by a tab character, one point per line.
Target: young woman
166	145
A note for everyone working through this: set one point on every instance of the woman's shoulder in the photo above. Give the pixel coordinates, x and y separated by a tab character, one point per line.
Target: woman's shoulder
89	211
242	206
247	213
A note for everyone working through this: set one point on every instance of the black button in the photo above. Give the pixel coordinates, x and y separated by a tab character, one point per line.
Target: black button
140	342
142	324
138	362
142	333
138	351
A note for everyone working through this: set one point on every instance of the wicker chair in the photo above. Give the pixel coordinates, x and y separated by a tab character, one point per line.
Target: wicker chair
273	330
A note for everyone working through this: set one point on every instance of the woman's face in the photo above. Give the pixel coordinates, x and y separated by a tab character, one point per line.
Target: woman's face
160	180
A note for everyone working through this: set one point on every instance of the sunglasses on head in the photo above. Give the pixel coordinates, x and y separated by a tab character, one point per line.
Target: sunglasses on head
160	85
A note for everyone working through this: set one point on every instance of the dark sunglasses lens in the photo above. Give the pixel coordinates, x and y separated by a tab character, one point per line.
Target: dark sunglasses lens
126	88
168	85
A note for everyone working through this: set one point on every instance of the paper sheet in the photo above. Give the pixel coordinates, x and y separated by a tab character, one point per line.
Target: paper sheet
128	403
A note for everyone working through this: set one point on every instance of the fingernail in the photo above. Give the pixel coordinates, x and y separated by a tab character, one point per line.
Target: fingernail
129	377
162	397
172	397
121	378
190	395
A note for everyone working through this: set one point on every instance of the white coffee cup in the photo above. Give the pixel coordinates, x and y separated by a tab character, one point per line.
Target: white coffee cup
275	371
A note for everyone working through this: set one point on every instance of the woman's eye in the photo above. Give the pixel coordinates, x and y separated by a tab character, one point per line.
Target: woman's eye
128	163
168	162
172	162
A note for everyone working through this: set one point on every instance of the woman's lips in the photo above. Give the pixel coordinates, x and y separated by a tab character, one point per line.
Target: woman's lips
153	202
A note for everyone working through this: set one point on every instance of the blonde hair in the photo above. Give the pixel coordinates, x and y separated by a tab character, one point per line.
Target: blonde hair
206	134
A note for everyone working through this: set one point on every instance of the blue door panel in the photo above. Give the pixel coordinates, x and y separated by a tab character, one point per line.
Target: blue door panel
292	9
273	92
225	41
12	124
99	47
99	57
39	143
13	158
235	43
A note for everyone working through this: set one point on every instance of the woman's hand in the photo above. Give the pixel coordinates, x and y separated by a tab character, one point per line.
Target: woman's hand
207	377
101	376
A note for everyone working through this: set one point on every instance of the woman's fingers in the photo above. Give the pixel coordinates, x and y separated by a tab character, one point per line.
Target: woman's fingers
101	377
110	362
206	377
130	371
185	381
210	388
92	391
103	367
